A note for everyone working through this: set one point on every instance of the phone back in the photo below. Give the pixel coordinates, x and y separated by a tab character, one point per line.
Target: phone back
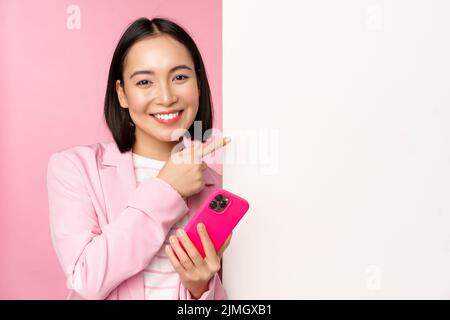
220	213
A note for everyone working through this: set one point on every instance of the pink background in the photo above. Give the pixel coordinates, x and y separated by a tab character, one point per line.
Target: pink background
52	85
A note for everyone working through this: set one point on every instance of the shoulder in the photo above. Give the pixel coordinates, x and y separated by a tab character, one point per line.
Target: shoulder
83	157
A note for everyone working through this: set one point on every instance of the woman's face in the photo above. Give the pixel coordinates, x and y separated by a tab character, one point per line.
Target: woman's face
160	87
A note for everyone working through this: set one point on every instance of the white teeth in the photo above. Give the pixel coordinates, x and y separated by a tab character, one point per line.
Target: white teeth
166	116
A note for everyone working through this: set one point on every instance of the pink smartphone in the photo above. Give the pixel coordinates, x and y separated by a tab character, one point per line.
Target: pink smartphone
220	213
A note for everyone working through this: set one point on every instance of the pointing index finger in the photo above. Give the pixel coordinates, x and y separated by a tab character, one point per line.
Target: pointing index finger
216	144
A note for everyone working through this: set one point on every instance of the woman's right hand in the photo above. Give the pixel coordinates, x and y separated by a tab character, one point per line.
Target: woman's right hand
184	169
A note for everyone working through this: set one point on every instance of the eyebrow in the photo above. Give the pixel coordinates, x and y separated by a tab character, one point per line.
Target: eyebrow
181	66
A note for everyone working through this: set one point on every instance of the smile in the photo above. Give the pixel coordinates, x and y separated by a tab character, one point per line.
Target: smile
167	118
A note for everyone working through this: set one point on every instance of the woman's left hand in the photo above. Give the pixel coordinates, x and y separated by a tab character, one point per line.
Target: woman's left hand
194	270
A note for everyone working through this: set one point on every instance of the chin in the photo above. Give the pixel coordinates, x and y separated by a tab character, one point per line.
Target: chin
169	136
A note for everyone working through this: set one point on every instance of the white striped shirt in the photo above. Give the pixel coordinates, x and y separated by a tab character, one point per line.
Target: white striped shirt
160	278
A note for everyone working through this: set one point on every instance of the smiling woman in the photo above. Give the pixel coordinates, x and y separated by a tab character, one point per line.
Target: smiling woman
157	83
114	206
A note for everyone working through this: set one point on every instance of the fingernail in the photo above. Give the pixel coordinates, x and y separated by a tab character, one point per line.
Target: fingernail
201	226
227	139
180	232
172	239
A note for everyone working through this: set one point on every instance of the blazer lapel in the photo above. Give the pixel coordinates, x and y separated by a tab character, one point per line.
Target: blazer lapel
118	179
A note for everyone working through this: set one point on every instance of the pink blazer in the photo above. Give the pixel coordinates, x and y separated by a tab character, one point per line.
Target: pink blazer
105	230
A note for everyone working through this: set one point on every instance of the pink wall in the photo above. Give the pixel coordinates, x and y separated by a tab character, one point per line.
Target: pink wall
52	84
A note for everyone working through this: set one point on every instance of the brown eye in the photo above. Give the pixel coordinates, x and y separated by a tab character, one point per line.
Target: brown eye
143	83
181	75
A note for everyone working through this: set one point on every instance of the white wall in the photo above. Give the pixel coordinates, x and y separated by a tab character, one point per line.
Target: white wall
351	197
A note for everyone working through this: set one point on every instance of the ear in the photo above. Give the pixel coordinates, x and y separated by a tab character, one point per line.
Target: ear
121	95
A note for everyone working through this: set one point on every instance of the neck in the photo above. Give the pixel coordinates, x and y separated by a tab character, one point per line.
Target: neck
150	147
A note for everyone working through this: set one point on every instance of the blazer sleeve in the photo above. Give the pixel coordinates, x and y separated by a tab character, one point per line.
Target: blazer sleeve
96	260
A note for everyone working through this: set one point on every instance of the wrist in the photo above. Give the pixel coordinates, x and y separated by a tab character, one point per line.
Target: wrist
196	293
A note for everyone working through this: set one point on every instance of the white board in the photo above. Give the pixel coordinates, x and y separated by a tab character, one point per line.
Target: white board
348	103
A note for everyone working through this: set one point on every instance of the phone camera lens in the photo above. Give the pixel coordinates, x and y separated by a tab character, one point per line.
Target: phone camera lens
223	204
213	204
219	203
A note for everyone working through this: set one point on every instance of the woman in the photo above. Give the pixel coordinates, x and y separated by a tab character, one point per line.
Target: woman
114	206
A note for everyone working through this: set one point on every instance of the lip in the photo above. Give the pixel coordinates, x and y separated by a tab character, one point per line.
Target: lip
168	121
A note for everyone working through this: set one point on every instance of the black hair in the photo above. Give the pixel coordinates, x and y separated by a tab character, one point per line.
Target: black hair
117	118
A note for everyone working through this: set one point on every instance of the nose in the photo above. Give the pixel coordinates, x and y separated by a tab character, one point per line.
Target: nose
166	95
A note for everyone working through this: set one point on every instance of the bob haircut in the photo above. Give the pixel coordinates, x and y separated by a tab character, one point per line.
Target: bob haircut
117	118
